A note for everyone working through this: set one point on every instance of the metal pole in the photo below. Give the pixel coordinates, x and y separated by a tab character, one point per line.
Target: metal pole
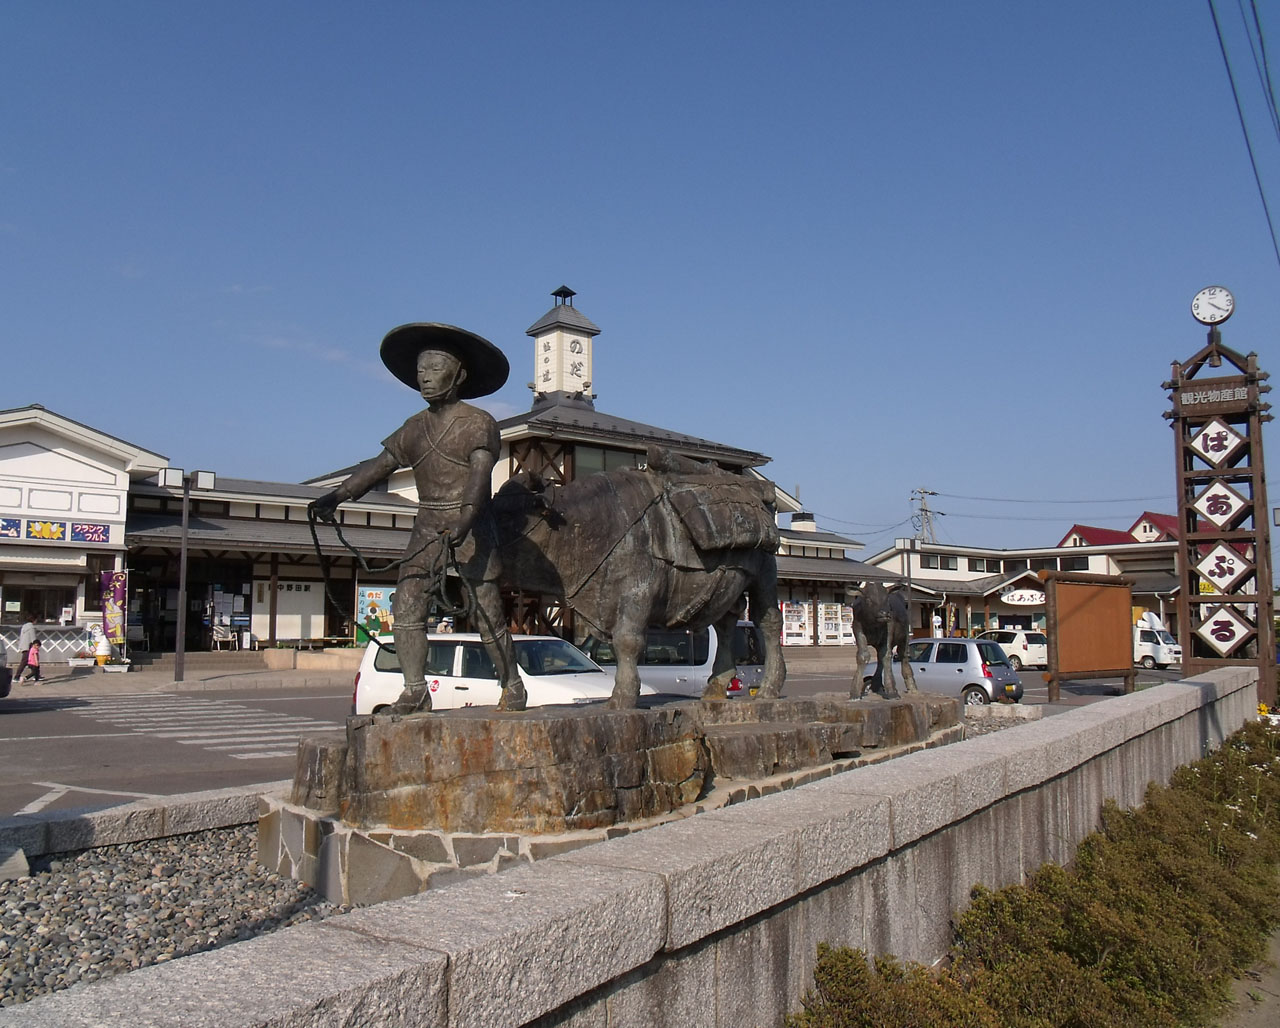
179	650
911	545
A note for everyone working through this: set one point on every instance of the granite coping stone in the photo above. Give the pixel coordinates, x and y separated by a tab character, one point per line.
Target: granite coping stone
980	776
703	862
920	801
525	942
1026	763
1059	739
307	975
835	832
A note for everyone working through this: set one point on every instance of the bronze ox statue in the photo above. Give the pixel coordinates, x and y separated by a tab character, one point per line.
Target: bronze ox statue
880	622
675	544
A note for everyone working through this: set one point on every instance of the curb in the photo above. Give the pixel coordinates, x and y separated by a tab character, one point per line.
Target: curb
148	682
60	831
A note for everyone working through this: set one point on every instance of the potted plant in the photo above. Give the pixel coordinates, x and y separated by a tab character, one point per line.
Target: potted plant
114	663
82	659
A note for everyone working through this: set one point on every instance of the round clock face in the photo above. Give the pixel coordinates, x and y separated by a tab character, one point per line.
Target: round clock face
1212	305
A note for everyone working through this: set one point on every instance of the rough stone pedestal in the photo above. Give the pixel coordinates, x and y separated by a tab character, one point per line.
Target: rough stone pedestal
407	804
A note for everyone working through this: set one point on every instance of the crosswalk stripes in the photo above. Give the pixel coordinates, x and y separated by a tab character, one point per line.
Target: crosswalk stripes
221	726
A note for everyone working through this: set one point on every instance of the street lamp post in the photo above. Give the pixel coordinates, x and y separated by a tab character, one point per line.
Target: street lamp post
170	478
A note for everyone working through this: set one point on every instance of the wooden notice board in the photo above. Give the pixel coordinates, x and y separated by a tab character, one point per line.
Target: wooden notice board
1090	628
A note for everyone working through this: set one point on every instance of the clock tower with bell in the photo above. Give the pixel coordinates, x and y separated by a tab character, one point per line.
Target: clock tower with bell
562	354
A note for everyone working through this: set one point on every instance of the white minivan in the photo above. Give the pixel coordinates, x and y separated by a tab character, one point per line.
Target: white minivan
1023	647
460	673
679	660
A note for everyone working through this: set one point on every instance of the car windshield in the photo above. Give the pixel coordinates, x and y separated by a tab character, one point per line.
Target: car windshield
918	651
1168	639
552	657
991	653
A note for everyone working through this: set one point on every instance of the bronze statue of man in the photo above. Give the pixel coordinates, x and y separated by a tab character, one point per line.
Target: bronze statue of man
451	447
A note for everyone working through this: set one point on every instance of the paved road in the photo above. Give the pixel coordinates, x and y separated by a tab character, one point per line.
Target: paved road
62	752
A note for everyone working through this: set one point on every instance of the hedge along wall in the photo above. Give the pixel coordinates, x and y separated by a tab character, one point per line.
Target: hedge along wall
713	920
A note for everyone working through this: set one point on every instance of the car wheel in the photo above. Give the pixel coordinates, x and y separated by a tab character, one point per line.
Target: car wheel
974	696
382	708
1015	663
1149	662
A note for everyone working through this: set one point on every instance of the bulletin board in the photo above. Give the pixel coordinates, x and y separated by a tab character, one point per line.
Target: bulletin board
1090	628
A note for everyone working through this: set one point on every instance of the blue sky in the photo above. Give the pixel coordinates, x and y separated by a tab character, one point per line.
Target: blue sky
892	246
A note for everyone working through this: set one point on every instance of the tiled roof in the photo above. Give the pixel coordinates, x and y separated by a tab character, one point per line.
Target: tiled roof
1166	523
801	536
253	489
594	424
563	314
165	530
832	569
1094	536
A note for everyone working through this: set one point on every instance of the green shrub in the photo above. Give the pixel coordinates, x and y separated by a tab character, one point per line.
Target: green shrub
1160	909
849	993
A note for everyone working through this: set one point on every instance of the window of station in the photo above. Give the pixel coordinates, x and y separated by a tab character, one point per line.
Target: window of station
1044	563
46	602
1012	566
1075	563
588	460
95	564
988	565
939	561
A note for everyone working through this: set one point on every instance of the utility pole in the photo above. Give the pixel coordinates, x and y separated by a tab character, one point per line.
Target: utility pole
922	520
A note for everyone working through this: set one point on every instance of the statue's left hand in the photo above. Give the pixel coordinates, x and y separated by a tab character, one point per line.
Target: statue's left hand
325	507
462	529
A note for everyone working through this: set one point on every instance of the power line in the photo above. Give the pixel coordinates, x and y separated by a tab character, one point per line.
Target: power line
997	499
1260	62
1235	95
1033	517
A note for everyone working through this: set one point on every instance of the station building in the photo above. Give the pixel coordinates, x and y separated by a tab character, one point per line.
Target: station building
76	501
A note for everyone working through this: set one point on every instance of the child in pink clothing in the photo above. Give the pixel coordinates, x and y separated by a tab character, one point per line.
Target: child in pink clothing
33	665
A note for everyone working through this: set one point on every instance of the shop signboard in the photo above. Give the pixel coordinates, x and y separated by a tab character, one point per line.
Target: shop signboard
1022	597
373	611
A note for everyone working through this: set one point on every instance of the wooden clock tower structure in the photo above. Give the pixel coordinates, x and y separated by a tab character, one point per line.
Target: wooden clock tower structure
1225	612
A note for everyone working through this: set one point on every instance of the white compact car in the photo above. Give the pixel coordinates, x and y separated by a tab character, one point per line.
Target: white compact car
460	673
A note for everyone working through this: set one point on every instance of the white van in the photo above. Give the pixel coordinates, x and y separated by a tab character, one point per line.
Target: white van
1153	644
678	660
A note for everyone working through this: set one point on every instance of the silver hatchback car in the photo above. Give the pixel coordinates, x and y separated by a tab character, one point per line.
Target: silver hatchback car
975	669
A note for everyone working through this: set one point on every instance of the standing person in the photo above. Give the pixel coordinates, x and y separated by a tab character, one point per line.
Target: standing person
451	447
26	636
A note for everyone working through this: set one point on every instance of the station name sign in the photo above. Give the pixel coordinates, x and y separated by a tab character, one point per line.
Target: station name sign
1022	597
